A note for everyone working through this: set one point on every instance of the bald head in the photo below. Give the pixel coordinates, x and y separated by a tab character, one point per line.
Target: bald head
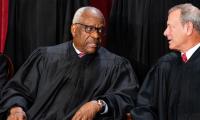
80	14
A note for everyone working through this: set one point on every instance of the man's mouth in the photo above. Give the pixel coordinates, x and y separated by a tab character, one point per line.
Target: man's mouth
169	41
92	45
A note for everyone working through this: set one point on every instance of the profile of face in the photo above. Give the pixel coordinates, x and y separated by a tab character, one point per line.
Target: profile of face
176	32
88	33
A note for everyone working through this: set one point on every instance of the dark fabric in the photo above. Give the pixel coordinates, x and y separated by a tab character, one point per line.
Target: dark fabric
170	90
34	23
55	82
3	70
125	33
136	27
140	70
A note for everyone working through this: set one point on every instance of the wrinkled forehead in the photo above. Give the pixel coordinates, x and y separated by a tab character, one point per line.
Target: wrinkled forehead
174	15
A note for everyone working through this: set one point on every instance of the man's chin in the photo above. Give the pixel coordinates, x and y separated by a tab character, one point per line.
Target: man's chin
172	48
91	50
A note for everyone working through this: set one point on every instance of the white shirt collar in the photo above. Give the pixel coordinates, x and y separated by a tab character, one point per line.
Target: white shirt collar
191	51
77	51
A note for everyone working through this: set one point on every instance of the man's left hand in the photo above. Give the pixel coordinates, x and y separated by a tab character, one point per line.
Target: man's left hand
87	111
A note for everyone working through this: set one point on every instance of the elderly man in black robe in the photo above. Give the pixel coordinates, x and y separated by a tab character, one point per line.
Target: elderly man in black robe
76	80
171	90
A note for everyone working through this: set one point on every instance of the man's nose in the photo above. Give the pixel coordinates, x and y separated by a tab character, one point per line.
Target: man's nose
95	34
165	32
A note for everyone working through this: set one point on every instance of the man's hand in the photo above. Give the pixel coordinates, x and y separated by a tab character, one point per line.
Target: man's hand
16	113
87	111
128	115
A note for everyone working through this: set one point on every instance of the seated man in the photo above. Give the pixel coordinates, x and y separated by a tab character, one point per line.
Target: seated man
76	80
6	70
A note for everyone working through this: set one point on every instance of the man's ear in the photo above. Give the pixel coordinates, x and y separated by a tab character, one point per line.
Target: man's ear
190	28
73	29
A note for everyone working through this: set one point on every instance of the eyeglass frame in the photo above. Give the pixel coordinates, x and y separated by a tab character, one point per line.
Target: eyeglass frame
100	30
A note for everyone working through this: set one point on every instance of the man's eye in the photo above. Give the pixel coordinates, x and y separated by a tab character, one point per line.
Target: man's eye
89	29
100	30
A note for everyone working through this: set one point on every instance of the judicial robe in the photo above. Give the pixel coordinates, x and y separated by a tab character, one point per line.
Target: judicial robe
54	83
171	90
3	71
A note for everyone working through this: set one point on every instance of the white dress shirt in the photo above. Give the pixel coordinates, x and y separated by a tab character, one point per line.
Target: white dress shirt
191	51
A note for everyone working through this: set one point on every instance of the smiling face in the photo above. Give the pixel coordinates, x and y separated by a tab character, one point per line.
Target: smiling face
84	39
176	32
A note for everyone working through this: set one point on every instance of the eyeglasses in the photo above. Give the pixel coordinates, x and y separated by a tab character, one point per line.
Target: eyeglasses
91	29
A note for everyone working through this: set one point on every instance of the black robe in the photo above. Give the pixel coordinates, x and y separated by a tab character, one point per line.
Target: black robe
54	83
3	70
171	90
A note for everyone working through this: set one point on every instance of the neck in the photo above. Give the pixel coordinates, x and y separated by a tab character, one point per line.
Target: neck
76	49
192	41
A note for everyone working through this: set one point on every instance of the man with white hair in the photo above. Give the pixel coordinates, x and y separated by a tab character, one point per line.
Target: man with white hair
171	90
76	80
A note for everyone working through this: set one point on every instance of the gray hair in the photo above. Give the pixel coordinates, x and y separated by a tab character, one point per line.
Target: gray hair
188	13
78	14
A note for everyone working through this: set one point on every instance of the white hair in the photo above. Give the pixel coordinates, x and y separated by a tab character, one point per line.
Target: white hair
78	14
188	13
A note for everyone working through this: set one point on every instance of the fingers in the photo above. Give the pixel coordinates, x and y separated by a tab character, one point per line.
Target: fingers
86	112
16	116
80	115
77	116
128	115
17	113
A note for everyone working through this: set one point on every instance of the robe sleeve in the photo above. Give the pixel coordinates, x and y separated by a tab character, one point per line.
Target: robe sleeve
151	99
123	90
21	90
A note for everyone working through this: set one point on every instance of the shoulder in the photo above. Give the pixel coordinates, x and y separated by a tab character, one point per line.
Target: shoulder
53	50
58	49
170	57
49	52
167	61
